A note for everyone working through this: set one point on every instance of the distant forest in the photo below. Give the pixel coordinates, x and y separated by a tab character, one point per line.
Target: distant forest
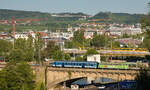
119	17
113	17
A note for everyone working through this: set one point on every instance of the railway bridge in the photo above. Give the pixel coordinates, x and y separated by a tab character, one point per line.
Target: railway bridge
56	76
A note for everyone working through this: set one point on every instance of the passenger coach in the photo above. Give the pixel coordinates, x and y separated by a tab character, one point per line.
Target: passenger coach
75	64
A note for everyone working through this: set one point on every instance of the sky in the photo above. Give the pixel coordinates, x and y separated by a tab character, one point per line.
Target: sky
86	6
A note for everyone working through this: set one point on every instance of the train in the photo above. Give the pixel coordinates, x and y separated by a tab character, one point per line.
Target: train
90	64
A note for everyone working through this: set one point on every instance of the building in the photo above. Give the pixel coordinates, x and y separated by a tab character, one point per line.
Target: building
21	35
95	58
129	41
124	30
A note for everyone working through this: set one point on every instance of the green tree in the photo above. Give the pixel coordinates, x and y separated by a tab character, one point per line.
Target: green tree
16	55
69	44
25	47
38	45
50	49
99	41
125	36
89	52
29	52
42	87
67	57
145	22
78	36
143	79
58	55
20	44
5	47
115	44
17	76
78	58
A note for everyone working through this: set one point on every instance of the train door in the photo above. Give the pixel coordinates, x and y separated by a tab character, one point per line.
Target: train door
83	65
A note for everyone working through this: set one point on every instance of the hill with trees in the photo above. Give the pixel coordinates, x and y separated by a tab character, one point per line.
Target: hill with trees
119	17
127	18
8	14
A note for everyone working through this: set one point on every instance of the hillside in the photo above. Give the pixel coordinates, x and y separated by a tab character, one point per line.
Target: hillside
119	17
6	14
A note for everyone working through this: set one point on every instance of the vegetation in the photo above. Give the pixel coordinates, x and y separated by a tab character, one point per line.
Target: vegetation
5	47
119	17
53	51
89	52
99	41
17	76
143	79
8	14
78	37
78	58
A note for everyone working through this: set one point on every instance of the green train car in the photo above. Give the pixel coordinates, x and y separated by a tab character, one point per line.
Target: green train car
117	65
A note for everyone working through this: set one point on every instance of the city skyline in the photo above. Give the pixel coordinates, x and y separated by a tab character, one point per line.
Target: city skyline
86	6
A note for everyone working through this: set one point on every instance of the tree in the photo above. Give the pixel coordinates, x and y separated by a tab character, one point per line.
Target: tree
58	55
115	44
125	36
67	57
50	49
78	36
89	52
38	45
20	43
5	47
29	52
25	48
99	41
145	22
42	87
78	58
16	55
17	76
26	73
69	44
143	79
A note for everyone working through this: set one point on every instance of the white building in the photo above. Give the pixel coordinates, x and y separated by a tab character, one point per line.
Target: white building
126	30
67	35
88	35
21	35
94	58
